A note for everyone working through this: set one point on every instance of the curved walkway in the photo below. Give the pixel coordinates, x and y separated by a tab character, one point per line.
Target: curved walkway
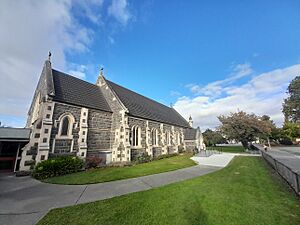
24	200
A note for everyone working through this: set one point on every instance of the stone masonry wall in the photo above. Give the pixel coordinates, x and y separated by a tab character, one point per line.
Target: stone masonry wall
99	131
142	124
64	145
162	128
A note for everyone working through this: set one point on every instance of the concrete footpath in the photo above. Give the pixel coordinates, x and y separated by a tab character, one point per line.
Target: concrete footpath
220	160
24	201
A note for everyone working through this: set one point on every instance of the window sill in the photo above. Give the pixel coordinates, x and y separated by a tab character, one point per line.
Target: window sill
64	137
136	147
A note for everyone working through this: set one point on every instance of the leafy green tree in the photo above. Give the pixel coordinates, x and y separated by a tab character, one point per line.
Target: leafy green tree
211	138
244	127
291	130
275	132
291	105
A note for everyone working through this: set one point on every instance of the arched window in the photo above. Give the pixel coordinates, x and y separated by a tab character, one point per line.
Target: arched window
66	122
154	137
65	126
135	136
168	138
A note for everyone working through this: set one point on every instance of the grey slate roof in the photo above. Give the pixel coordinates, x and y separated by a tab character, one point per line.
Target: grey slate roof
7	133
69	89
190	134
143	107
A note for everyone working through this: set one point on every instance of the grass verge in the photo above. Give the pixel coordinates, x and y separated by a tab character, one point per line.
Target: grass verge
118	173
244	193
229	149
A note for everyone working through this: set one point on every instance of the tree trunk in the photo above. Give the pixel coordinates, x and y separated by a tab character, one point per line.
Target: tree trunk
245	144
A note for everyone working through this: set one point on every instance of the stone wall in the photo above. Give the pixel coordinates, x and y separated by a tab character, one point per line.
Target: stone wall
61	144
39	120
142	124
120	146
146	143
99	131
190	145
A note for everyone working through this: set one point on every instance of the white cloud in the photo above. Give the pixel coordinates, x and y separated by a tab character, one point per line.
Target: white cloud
79	71
175	93
216	88
29	29
91	10
119	10
263	94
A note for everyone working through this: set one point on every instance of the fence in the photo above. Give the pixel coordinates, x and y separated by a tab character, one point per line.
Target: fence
292	177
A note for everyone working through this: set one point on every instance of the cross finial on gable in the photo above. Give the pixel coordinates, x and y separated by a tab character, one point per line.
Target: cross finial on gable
49	56
101	72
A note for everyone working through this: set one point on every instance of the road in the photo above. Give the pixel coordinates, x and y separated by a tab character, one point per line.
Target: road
290	156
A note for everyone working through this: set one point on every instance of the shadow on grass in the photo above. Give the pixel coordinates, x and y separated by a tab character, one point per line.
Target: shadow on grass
195	213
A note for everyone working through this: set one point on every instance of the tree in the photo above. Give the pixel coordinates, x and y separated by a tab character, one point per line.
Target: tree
275	132
291	130
244	127
291	105
212	138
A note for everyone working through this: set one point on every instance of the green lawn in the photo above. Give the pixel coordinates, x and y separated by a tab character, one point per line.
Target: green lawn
118	173
244	193
231	149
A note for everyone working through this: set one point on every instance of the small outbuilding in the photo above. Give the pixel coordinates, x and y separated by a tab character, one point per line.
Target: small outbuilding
12	140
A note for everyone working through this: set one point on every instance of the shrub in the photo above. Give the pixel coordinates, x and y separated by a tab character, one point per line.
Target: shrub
93	162
143	158
166	156
57	167
286	141
180	149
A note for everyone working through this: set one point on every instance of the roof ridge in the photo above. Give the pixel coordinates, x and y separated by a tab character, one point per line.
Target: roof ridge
69	75
178	113
140	94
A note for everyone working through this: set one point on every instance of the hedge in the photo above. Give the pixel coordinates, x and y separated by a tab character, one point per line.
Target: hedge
58	166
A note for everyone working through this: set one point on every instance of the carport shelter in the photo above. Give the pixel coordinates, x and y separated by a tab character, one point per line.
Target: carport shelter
12	140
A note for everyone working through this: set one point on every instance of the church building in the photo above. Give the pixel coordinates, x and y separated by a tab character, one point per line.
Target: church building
69	116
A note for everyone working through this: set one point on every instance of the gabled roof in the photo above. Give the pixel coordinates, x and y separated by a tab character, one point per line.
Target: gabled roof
143	107
190	134
69	89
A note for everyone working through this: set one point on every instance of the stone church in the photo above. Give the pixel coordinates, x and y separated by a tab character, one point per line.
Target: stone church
72	116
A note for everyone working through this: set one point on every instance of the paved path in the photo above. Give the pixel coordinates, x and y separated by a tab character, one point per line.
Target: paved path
220	160
24	200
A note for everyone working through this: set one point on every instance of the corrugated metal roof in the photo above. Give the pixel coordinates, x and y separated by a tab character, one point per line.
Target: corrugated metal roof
14	133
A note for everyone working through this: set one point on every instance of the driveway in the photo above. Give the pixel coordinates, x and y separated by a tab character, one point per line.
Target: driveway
24	201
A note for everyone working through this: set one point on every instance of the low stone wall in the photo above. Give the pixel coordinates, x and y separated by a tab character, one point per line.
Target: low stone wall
157	151
135	153
292	177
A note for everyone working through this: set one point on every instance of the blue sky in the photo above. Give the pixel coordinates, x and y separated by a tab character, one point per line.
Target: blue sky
205	57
